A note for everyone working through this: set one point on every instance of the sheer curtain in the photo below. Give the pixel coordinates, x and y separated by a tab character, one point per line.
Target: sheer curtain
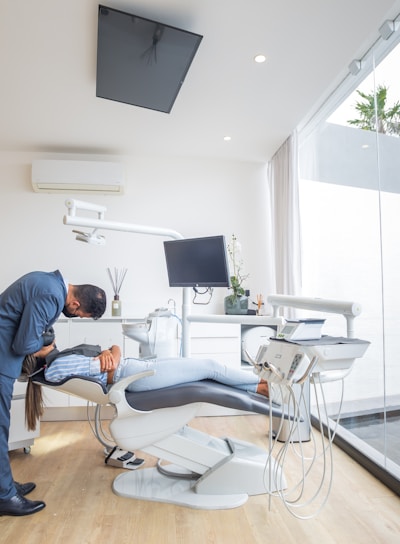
285	217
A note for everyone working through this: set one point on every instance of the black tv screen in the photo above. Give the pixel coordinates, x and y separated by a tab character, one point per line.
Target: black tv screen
141	62
197	262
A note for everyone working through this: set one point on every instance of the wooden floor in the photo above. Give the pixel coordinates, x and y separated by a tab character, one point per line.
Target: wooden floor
67	464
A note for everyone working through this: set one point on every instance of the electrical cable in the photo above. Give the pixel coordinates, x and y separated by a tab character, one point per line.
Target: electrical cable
208	290
97	428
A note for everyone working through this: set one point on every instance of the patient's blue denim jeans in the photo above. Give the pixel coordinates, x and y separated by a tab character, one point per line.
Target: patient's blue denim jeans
171	371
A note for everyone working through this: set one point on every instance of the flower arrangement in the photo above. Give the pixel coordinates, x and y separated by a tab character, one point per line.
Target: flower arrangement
237	277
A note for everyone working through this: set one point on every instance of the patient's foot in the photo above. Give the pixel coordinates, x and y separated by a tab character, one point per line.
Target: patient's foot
271	391
262	388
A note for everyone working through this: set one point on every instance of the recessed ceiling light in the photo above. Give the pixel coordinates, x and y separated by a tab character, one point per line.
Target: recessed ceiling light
260	58
227	138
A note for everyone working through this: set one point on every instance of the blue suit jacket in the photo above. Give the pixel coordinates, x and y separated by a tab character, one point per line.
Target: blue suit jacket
27	308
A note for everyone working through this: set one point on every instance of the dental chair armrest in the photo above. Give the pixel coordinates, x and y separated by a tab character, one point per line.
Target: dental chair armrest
116	392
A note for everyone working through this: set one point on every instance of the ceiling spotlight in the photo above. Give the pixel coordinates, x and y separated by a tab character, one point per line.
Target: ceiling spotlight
227	138
260	59
387	29
354	67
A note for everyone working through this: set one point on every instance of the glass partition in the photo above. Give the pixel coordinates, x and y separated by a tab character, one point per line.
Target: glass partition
350	219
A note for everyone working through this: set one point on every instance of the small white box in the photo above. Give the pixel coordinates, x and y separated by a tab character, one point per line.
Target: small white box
301	329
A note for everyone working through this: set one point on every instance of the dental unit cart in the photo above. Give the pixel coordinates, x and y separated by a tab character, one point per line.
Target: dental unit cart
288	362
305	364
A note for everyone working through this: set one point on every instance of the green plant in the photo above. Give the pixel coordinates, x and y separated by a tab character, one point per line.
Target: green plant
237	277
374	115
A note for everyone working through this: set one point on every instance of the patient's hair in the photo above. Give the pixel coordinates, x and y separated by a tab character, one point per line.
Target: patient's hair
92	299
33	398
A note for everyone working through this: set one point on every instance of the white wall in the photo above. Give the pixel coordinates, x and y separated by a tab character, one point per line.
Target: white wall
194	197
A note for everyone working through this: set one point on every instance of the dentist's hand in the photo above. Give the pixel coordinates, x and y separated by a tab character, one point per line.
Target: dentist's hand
45	351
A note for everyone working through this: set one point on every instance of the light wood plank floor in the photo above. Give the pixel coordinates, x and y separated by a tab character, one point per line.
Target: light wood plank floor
67	464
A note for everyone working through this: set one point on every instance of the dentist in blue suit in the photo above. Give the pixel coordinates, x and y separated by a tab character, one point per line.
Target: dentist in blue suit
28	307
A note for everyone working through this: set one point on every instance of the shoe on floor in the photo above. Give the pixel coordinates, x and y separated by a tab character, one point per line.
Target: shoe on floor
24	489
20	506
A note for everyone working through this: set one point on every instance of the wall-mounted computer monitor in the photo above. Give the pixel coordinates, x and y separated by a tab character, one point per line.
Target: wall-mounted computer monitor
140	61
197	262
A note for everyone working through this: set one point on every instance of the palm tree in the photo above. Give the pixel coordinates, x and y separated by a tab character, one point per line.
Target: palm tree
374	116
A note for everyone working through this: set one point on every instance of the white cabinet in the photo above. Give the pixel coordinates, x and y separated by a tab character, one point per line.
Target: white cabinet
19	436
105	331
219	341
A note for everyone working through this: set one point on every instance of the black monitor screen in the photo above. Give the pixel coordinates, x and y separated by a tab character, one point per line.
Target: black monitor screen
140	61
197	262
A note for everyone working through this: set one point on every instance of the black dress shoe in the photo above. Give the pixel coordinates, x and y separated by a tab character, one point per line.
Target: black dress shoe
19	506
24	489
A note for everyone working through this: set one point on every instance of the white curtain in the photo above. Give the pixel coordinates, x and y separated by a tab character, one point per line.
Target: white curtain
285	217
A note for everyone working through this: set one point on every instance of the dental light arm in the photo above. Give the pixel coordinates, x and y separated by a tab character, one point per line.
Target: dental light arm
100	223
74	205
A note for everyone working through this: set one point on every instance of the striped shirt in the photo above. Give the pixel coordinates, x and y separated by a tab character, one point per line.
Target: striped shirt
74	365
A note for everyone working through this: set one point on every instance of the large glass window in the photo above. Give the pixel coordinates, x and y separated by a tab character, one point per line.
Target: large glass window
350	216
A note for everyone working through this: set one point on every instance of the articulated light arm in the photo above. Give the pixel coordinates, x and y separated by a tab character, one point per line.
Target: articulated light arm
100	223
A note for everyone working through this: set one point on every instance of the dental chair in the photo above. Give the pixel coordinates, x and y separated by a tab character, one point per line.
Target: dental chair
203	471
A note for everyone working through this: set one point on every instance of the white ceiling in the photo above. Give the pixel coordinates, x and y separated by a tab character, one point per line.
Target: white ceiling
48	72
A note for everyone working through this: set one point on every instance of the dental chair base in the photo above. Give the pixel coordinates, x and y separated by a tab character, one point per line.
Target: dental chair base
227	471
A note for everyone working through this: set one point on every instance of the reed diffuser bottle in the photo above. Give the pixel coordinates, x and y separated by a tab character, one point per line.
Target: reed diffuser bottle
116	306
116	282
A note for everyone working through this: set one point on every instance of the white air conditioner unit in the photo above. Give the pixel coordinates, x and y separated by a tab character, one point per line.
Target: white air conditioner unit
62	176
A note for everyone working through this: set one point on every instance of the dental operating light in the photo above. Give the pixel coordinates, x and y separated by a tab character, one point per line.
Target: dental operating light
90	237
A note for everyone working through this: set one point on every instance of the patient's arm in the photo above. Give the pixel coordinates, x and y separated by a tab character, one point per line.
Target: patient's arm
110	358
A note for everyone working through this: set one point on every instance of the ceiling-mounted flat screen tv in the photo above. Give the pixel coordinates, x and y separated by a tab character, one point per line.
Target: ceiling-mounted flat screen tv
140	61
197	262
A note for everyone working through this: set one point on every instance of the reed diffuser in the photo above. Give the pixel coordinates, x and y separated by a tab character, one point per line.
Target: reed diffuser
116	282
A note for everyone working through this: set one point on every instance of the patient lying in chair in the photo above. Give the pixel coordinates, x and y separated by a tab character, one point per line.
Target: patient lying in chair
108	367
